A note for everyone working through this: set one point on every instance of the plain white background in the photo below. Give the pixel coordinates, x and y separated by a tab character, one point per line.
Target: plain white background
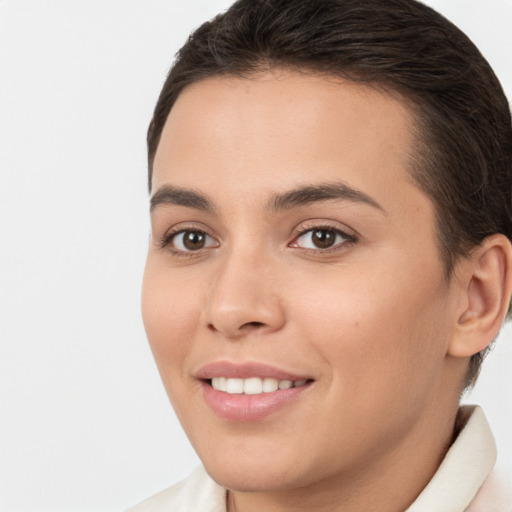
84	422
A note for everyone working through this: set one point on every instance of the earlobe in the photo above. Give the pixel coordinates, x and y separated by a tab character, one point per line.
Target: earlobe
486	284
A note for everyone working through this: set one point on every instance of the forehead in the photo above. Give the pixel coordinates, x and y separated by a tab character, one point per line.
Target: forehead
228	136
278	110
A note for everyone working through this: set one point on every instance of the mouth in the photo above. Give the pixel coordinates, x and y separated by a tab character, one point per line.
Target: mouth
254	385
251	391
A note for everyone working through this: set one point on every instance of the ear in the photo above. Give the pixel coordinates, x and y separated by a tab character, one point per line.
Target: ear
486	279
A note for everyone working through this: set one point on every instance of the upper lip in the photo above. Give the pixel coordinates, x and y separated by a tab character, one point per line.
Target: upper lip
245	370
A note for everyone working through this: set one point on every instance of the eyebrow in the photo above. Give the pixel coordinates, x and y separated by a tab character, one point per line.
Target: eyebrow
323	192
168	194
300	196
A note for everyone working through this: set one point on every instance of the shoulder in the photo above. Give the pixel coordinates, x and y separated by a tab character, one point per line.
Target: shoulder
495	495
197	493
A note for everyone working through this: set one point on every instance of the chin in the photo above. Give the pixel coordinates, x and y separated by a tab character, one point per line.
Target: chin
271	473
251	479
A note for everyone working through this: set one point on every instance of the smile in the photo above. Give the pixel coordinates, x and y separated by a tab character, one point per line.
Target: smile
250	391
253	385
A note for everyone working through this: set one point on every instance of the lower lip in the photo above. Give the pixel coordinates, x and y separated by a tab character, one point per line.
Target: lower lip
241	407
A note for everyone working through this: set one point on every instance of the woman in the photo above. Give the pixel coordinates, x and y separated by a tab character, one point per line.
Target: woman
330	257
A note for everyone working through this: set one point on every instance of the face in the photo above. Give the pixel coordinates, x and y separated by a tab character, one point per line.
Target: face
291	249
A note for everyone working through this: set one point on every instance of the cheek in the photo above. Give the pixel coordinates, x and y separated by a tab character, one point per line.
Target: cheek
170	314
381	350
378	326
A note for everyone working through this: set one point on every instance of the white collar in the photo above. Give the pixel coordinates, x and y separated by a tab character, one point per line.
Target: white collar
465	468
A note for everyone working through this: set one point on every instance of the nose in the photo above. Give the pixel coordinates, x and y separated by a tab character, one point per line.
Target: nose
244	297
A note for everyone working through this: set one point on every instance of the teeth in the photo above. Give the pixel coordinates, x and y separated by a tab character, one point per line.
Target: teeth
235	386
270	385
220	383
253	385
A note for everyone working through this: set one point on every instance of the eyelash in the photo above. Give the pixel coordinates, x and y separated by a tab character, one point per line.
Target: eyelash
167	240
348	239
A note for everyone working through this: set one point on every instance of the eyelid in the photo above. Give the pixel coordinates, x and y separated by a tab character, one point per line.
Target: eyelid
165	241
349	235
174	241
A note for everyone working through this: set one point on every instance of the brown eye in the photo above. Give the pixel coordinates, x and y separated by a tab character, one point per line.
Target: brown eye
193	240
189	241
321	238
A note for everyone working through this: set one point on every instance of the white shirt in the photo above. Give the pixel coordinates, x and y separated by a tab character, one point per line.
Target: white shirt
464	481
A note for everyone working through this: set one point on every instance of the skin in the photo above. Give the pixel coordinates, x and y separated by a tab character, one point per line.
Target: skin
371	319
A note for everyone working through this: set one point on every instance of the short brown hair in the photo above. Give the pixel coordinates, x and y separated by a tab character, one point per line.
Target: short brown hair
463	153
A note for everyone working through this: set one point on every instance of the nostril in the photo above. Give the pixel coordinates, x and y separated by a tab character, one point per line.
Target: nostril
246	327
254	324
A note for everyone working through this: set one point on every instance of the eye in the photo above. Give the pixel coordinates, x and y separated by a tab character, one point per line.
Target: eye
190	240
321	238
